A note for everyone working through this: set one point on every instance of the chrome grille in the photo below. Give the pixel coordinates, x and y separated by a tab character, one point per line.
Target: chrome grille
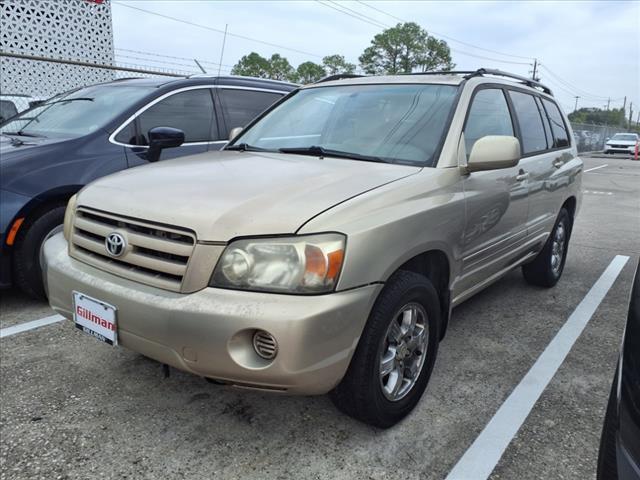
155	255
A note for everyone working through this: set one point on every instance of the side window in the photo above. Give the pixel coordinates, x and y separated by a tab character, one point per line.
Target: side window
128	134
530	121
190	111
239	107
488	115
545	123
561	138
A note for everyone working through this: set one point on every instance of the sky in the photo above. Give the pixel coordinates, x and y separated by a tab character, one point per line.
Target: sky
588	49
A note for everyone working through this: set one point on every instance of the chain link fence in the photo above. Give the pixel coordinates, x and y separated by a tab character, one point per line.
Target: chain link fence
591	138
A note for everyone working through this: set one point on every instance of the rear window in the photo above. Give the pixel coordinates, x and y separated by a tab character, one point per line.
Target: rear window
530	121
560	135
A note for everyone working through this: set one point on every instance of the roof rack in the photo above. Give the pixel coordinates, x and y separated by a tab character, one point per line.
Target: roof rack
338	76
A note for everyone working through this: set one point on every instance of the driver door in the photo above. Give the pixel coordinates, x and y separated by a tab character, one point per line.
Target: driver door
191	111
497	200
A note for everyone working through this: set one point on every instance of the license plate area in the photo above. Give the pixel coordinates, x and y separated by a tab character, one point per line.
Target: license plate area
95	318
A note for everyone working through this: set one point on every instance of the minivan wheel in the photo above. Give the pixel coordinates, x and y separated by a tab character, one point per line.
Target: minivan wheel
27	269
394	359
546	269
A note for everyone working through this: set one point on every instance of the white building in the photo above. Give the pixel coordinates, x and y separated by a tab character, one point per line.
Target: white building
68	30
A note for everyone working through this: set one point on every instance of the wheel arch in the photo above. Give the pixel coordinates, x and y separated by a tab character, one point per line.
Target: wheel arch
436	266
43	202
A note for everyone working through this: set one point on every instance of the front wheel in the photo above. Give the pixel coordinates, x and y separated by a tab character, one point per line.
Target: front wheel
27	258
546	269
396	353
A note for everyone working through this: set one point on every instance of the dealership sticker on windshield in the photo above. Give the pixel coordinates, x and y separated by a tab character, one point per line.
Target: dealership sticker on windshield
96	318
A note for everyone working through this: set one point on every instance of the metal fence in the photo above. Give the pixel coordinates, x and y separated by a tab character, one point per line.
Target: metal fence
591	138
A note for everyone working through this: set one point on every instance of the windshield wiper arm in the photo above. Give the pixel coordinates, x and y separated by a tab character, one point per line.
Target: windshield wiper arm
245	147
325	152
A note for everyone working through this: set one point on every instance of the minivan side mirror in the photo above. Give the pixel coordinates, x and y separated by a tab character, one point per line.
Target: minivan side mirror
234	132
163	137
493	152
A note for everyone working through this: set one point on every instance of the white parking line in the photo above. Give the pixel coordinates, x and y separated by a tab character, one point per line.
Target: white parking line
23	327
596	168
484	453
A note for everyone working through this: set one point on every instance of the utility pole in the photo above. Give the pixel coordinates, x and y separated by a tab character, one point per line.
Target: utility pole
630	113
535	69
224	40
608	103
576	106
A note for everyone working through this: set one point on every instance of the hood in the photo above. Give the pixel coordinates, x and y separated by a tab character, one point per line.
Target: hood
627	143
222	195
16	147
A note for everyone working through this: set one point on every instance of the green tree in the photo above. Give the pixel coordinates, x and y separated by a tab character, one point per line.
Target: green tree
309	72
598	116
280	68
334	64
403	49
252	65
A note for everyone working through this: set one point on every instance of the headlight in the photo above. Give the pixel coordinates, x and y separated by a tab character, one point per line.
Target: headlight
303	264
68	216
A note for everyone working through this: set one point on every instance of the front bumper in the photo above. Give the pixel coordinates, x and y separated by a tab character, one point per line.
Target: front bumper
209	332
619	149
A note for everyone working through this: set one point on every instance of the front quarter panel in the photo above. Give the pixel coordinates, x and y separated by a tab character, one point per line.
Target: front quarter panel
392	224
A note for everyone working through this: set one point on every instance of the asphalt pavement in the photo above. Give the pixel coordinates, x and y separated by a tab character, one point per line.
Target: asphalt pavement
73	408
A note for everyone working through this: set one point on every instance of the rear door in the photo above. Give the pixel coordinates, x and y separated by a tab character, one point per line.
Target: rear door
190	110
544	153
496	199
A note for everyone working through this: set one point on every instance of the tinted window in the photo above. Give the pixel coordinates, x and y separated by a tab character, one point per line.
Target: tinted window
561	138
239	107
402	123
531	128
488	115
190	111
545	123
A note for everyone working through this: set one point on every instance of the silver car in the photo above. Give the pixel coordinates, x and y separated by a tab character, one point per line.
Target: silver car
325	247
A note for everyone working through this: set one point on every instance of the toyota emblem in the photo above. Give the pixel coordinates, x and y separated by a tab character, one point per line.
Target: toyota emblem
115	244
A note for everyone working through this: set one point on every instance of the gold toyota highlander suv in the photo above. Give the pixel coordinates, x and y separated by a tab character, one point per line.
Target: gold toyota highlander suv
324	248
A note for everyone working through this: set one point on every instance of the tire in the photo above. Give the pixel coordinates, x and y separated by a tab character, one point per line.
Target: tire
607	456
361	394
27	271
546	269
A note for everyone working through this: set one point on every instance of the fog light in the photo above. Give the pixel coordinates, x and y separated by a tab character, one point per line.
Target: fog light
265	344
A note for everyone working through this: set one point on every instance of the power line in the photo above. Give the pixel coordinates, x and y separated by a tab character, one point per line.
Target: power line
446	36
217	30
383	25
575	89
153	54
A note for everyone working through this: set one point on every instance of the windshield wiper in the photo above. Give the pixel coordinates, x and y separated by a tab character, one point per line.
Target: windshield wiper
325	152
86	99
245	147
22	134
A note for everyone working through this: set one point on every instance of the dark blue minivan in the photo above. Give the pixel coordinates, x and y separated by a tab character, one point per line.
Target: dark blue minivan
51	151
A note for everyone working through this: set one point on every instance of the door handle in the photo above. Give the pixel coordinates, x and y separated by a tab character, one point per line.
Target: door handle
522	175
558	163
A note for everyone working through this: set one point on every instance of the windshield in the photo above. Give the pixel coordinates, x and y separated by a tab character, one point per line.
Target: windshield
75	113
625	137
394	123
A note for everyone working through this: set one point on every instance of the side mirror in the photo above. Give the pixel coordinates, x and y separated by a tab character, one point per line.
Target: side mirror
234	133
493	152
607	139
163	137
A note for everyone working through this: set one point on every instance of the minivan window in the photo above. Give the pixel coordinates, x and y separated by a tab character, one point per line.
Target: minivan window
531	128
560	135
76	113
190	111
488	115
239	107
394	123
